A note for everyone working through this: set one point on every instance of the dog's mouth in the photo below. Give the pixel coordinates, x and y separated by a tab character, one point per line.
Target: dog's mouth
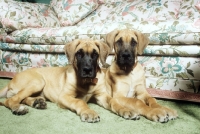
89	80
128	68
88	75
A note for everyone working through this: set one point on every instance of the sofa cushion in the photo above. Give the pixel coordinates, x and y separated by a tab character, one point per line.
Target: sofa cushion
144	12
151	50
166	22
18	15
178	34
50	40
70	12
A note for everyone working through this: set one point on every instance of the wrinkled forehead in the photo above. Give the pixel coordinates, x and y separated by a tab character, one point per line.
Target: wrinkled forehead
126	36
87	47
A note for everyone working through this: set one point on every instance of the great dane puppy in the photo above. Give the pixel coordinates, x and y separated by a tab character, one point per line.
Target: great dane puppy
70	87
126	77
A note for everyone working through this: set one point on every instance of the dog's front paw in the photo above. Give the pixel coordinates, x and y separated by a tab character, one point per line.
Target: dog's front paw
162	114
172	114
128	114
157	115
20	110
89	116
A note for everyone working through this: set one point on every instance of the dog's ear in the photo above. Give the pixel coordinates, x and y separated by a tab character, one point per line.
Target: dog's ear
104	51
143	41
70	50
110	38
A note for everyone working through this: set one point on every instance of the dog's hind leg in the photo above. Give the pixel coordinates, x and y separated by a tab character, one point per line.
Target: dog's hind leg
24	90
35	102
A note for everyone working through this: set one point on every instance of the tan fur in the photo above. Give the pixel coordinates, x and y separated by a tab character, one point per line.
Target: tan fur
121	84
59	85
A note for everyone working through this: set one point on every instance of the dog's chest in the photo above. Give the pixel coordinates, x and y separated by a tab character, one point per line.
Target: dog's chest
130	89
125	86
85	97
84	93
131	92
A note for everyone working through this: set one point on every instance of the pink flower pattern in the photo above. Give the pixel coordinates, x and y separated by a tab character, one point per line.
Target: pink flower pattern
19	15
196	24
68	11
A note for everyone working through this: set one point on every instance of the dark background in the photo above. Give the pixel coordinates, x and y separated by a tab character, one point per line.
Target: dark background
36	1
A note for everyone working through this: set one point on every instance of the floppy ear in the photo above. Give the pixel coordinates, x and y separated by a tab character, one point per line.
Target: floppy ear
110	38
104	51
143	41
70	50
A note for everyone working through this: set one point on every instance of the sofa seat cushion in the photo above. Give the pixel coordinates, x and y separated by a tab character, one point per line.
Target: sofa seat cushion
18	15
178	34
32	48
70	12
151	50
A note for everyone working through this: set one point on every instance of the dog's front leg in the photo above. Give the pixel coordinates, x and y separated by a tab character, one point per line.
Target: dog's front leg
157	112
80	107
113	105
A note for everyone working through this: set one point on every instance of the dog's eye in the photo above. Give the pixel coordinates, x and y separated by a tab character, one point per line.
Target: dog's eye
79	54
120	42
94	54
133	42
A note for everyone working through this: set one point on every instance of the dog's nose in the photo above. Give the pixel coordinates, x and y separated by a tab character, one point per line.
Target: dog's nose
126	55
87	70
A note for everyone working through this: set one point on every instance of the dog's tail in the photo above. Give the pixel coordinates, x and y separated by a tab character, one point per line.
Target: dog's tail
3	93
2	104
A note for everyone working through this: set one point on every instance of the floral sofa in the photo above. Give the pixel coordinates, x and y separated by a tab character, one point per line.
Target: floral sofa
33	35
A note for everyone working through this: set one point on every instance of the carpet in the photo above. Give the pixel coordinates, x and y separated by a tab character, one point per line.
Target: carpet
55	120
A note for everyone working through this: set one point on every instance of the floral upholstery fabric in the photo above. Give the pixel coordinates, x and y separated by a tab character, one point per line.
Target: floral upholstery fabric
70	12
61	35
151	50
165	73
18	15
198	6
164	23
172	73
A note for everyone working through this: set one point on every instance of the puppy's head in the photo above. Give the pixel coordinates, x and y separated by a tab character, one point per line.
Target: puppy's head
85	55
127	44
